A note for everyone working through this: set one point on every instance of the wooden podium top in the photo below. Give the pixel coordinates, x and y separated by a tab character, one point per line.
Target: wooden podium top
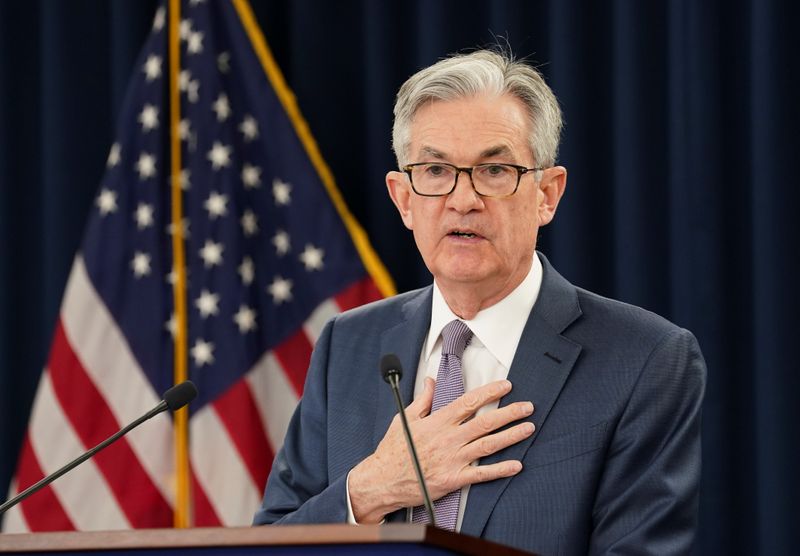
298	535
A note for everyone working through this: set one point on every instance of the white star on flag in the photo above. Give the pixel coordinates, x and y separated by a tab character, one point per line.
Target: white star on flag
185	29
146	166
311	257
148	117
152	67
172	325
207	303
281	242
159	19
107	201
184	227
219	155
211	253
249	223
202	353
194	45
281	191
249	128
216	205
280	289
185	129
247	271
222	107
184	78
143	215
172	276
114	155
140	264
245	319
224	61
193	91
251	176
185	179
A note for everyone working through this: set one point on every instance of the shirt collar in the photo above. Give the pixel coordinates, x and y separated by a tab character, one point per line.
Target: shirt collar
498	327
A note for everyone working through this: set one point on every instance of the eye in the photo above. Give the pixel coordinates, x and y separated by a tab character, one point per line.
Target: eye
436	170
495	170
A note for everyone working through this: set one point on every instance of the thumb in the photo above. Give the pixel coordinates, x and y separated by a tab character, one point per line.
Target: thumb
421	406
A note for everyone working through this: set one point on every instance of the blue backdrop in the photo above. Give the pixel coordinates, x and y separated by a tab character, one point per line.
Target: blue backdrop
682	120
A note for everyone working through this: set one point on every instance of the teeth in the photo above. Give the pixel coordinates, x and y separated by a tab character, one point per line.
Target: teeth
464	234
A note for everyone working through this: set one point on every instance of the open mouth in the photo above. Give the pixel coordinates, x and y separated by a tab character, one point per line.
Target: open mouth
458	233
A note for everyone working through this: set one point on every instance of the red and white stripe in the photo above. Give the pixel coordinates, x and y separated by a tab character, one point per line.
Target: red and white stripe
93	386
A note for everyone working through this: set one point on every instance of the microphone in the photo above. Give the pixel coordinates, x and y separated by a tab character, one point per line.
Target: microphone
392	371
173	399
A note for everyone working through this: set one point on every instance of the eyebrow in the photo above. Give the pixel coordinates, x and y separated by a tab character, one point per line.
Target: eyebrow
487	153
432	152
495	151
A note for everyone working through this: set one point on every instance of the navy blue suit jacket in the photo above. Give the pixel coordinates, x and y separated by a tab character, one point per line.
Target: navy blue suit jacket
612	468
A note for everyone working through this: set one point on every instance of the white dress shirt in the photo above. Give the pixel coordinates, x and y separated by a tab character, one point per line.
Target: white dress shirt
496	334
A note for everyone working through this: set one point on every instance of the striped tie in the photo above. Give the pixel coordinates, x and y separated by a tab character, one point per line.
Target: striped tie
449	386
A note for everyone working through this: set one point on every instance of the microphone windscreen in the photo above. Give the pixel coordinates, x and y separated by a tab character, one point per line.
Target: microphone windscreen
390	363
180	394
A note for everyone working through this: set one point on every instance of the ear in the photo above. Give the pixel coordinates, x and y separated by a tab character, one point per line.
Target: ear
551	188
400	192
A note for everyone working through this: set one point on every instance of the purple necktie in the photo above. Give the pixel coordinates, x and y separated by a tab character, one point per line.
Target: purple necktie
449	386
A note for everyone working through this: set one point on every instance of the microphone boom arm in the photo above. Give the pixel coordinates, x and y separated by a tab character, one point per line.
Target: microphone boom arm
174	398
393	379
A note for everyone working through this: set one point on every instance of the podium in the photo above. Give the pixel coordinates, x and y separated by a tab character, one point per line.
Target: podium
299	540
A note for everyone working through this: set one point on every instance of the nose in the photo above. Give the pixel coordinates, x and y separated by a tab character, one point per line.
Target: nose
464	198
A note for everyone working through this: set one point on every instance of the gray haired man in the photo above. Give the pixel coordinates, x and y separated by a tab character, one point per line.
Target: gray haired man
563	422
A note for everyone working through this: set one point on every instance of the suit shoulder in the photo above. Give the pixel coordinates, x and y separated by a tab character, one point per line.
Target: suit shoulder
629	322
386	310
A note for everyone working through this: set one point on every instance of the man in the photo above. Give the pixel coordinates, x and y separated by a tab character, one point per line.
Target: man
579	428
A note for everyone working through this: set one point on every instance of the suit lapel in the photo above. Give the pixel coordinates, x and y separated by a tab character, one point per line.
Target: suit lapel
404	340
540	368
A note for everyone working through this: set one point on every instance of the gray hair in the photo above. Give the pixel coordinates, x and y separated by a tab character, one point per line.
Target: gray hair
481	72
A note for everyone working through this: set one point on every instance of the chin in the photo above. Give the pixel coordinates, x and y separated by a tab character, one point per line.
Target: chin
463	274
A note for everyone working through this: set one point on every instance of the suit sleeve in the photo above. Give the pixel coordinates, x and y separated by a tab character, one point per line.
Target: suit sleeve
647	500
299	489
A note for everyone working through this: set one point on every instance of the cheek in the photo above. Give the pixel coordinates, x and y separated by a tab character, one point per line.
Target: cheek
520	230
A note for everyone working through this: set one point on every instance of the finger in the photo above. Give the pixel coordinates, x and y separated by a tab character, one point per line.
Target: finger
490	444
472	401
492	420
483	473
421	406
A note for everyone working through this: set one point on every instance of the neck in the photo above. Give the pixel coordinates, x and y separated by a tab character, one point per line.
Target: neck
467	299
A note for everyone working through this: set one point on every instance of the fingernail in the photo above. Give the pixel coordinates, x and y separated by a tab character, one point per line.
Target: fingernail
505	386
528	428
516	466
526	408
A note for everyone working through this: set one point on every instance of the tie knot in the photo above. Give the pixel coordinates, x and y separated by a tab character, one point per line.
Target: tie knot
455	337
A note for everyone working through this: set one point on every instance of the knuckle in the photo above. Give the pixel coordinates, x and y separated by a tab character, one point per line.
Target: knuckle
471	401
487	446
484	423
481	474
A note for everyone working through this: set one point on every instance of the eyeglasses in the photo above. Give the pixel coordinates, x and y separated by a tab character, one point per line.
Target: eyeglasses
436	179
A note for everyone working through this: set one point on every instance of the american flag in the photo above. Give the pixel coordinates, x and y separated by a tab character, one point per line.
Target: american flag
271	254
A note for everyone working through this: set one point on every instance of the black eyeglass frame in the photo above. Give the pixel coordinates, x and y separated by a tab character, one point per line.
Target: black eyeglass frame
521	170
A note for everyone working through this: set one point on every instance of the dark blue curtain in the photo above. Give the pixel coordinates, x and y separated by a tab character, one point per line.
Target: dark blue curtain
682	120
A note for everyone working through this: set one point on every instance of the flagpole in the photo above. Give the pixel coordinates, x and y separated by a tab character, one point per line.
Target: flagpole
182	516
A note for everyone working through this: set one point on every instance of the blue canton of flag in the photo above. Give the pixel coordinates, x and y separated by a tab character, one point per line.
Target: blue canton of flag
270	257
